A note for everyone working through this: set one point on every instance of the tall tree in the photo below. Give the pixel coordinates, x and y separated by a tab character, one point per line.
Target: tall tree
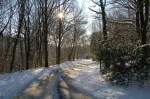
27	34
21	4
144	18
45	32
102	5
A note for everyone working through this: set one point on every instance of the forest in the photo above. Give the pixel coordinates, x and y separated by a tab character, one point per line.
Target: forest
110	37
37	33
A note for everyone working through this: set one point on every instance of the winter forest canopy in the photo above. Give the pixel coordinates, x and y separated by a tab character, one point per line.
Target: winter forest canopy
40	33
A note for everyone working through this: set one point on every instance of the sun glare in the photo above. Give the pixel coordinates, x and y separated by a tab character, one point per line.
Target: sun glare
60	15
88	32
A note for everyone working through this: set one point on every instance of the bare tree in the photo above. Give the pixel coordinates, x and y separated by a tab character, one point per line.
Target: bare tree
102	5
20	24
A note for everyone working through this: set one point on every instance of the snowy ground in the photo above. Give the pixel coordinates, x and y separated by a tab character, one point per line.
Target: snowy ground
90	79
13	83
85	75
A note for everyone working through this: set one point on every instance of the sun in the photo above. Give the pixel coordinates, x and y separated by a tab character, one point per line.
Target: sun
88	32
60	15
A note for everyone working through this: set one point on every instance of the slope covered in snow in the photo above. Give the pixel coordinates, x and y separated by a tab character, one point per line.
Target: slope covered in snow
88	76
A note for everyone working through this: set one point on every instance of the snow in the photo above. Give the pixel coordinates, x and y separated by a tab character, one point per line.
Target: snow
13	83
87	76
90	79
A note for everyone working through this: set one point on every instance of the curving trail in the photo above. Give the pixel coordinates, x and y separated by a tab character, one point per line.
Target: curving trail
79	81
55	85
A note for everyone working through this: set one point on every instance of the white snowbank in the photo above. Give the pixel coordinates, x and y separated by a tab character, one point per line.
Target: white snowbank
90	78
12	83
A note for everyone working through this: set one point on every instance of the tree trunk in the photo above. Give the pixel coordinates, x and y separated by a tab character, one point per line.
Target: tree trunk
27	35
138	21
144	36
20	23
104	22
45	27
143	8
59	43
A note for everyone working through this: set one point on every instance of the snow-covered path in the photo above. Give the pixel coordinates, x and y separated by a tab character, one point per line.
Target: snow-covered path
13	83
82	76
89	78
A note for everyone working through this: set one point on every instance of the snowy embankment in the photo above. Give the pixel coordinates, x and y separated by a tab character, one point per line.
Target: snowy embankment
90	79
13	83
